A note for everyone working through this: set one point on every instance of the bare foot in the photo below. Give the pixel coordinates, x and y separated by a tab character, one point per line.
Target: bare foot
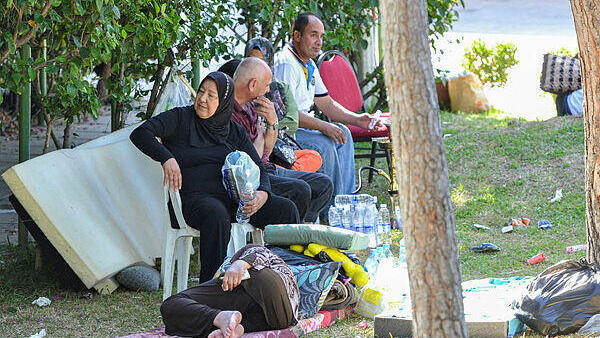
216	334
229	323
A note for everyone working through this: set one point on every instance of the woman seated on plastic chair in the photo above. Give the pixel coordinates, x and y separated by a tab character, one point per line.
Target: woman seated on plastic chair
195	141
227	307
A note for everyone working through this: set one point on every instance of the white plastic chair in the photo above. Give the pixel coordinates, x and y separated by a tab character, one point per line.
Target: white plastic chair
178	244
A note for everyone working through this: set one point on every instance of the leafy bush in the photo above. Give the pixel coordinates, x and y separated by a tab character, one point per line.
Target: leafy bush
490	64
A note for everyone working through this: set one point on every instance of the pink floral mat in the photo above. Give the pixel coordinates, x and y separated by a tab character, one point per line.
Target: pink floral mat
321	320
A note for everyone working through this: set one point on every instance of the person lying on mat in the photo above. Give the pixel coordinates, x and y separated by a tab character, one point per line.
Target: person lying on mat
230	306
195	141
310	191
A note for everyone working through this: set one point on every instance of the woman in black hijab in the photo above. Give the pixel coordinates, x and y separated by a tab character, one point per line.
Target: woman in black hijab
195	141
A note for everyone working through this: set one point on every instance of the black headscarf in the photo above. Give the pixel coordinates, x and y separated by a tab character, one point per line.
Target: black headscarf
265	47
229	67
215	129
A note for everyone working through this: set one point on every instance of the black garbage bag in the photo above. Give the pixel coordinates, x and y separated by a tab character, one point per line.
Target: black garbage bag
561	299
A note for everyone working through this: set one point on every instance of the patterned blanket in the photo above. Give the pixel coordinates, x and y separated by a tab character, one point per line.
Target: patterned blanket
320	320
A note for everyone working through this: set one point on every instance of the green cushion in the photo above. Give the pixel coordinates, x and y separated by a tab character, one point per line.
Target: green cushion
288	234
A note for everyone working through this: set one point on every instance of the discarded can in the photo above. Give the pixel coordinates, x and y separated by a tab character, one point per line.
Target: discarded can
579	247
526	221
482	227
543	224
507	229
536	259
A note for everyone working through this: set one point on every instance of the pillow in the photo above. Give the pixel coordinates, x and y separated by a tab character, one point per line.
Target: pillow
303	234
314	282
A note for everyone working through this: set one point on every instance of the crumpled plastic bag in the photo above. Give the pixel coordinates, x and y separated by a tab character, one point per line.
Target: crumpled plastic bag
238	170
176	94
561	299
592	326
40	334
466	94
41	302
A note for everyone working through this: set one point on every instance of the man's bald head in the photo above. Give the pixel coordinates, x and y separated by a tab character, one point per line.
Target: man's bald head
252	77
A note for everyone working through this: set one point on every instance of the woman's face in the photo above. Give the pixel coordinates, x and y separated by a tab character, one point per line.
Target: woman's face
256	53
207	99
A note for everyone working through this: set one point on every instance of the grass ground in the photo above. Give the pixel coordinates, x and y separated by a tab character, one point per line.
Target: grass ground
498	167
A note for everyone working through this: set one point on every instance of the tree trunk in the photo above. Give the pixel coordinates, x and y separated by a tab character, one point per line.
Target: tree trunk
427	214
67	135
586	14
104	73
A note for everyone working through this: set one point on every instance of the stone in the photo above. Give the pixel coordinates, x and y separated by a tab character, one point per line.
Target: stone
139	278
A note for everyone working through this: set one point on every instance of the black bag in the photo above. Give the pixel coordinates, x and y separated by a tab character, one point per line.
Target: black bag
561	299
283	151
560	74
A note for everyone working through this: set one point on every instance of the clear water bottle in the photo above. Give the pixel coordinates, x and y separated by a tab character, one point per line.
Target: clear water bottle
346	213
397	222
335	219
370	225
246	195
359	217
371	263
402	252
384	226
387	253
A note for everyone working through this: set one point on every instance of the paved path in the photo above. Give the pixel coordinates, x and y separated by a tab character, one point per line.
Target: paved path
534	26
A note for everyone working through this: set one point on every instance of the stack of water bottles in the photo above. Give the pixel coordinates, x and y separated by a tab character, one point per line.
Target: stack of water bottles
388	288
359	213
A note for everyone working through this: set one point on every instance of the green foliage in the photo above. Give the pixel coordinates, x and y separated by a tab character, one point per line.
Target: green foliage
442	15
563	51
490	64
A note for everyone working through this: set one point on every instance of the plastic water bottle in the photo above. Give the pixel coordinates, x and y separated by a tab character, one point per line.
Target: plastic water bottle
346	213
370	225
397	222
384	226
402	252
371	263
246	195
335	219
359	217
343	200
387	253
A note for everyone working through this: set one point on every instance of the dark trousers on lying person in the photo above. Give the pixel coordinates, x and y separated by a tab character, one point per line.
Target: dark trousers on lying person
213	215
311	192
262	301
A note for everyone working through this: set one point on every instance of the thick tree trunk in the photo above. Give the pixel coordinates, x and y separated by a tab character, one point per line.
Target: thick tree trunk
427	214
586	14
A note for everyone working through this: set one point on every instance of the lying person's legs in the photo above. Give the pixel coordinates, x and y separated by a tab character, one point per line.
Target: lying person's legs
200	310
260	303
212	216
320	189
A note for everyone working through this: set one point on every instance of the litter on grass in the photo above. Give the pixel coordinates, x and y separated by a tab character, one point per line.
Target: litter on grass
558	195
543	224
536	259
486	247
575	248
40	334
362	325
41	302
507	229
482	227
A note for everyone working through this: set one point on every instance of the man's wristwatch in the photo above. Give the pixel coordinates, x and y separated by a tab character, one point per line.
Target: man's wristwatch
274	126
